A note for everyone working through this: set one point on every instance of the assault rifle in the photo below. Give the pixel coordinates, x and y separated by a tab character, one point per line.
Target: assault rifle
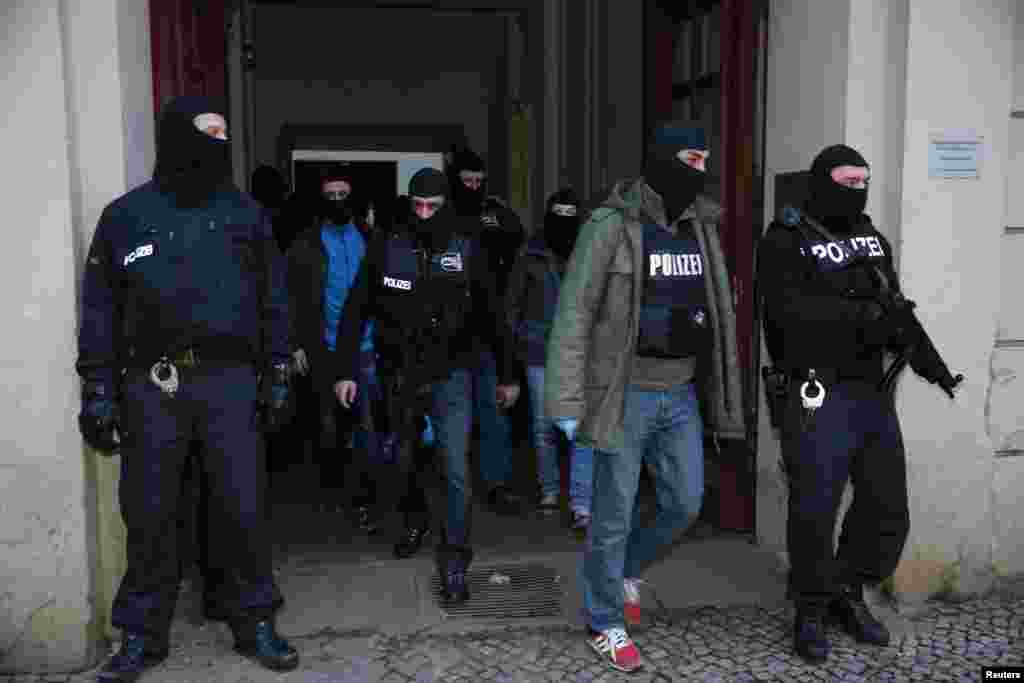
916	346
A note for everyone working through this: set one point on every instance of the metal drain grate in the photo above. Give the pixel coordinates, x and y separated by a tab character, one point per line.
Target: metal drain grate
532	590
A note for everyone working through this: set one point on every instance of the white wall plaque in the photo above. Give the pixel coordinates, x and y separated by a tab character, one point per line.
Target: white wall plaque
955	154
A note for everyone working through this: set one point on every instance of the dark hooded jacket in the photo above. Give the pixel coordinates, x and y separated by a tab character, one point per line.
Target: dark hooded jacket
161	277
532	297
399	318
816	314
500	231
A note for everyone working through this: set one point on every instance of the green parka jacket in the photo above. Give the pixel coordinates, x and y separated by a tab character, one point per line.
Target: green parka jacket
594	335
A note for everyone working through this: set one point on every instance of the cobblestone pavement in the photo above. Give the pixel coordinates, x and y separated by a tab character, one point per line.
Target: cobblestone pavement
940	642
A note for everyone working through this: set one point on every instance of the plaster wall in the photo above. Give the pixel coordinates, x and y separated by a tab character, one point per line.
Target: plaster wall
78	132
959	75
45	574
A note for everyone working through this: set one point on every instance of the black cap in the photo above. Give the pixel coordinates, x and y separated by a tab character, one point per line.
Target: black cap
428	182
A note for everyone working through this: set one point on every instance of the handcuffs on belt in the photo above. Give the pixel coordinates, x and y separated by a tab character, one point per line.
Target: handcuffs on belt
814	399
164	374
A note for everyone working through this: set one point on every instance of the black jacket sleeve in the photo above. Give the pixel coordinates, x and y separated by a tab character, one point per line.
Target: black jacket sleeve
277	324
358	308
489	312
515	294
98	335
792	299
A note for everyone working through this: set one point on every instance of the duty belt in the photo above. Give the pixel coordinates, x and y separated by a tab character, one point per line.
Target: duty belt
186	358
832	376
192	356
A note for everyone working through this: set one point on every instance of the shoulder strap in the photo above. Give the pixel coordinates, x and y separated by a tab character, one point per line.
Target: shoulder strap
805	221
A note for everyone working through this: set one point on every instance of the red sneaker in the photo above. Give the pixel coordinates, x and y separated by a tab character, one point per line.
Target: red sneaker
616	648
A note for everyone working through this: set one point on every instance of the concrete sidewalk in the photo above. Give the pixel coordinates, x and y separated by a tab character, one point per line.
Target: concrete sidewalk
714	611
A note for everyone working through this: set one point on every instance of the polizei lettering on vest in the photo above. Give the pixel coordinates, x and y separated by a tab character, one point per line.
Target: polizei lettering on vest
138	252
676	264
395	283
834	252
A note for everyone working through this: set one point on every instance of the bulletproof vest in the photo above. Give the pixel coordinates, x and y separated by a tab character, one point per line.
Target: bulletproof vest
674	321
426	293
837	261
833	256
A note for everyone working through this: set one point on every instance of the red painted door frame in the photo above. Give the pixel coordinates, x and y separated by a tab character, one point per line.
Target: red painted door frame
189	45
738	44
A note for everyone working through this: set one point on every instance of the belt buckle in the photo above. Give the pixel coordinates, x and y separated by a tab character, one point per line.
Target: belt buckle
188	358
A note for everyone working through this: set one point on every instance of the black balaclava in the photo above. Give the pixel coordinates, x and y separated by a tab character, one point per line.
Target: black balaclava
268	186
837	206
190	164
467	202
677	183
562	221
337	211
436	230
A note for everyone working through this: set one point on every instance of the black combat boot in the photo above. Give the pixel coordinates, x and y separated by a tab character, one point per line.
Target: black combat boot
502	502
412	538
453	562
258	641
851	612
809	638
137	653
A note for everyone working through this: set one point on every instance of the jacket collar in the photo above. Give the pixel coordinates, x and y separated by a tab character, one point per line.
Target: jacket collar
634	194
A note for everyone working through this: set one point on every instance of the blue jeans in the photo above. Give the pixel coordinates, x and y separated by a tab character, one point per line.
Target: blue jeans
451	413
545	441
366	442
663	429
451	416
495	429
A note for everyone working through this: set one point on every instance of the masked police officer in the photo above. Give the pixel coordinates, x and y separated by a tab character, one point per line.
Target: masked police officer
832	309
428	288
184	311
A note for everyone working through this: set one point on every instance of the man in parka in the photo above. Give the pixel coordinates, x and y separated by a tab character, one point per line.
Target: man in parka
644	314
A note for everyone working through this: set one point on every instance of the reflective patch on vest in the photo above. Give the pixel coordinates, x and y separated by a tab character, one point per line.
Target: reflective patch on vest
395	283
674	320
835	256
139	252
451	262
675	265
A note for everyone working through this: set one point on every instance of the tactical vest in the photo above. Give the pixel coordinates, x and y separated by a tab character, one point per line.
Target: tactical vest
829	256
426	294
674	320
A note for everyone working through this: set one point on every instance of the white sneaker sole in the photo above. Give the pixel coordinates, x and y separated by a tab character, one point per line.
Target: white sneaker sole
611	662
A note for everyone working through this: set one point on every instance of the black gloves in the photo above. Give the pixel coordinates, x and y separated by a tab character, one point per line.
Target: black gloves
99	418
949	383
890	322
276	407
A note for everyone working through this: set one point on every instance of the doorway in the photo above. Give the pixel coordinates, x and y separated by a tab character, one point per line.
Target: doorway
373	183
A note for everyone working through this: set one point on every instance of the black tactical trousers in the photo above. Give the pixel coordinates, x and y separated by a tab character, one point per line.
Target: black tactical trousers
855	435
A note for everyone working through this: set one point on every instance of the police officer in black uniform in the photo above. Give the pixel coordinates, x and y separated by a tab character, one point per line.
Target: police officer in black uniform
428	289
184	334
832	309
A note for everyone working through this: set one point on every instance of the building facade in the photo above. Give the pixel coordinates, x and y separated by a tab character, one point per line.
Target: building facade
884	76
